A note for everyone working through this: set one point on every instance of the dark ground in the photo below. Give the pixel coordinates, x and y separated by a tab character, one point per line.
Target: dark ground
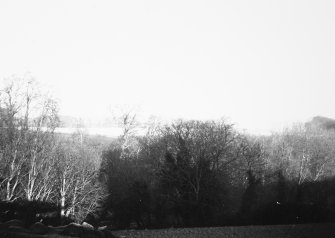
323	230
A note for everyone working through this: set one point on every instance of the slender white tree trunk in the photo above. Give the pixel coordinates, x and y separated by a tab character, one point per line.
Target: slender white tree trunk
62	198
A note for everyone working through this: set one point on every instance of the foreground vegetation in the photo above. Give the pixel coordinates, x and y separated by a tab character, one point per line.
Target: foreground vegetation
183	174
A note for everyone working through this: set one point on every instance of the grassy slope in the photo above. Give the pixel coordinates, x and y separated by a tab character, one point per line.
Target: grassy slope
297	231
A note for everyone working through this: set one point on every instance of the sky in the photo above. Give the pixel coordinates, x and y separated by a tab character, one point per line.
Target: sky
262	65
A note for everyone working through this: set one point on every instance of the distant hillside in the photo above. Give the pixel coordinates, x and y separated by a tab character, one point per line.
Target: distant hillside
105	127
323	122
76	122
68	121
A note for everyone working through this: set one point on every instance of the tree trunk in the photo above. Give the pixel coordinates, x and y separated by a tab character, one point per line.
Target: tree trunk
62	208
62	199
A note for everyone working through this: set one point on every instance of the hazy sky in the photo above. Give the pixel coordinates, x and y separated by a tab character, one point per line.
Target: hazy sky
261	64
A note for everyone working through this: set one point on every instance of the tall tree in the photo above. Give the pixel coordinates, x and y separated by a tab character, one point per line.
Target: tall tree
28	120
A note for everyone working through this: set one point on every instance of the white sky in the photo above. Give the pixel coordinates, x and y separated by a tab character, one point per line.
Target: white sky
261	64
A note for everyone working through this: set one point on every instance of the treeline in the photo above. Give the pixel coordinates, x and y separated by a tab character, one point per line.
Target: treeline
36	164
184	174
194	173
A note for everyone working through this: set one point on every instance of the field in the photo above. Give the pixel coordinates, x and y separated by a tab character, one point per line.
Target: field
287	231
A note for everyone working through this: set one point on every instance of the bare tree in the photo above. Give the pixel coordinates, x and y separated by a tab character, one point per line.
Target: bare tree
127	121
27	123
199	148
76	172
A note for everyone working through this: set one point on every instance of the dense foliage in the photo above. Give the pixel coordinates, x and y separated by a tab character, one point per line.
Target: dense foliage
194	173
